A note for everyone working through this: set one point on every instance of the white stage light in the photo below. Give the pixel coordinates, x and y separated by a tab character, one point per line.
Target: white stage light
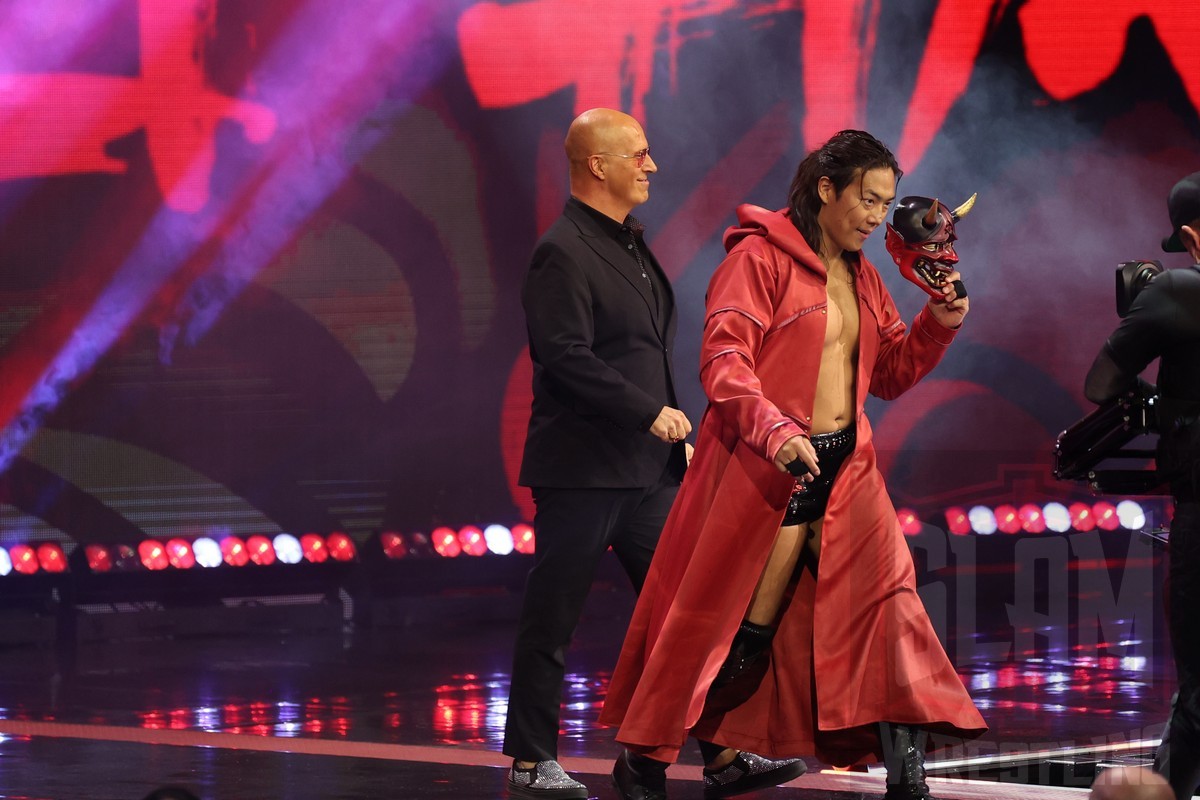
1057	518
983	520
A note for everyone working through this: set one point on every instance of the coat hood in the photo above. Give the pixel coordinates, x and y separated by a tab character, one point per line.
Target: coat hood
777	228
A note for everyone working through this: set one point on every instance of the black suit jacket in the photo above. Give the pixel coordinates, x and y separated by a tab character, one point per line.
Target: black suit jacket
601	361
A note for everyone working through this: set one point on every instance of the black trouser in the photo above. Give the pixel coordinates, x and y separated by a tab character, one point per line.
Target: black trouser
573	528
1184	597
1178	757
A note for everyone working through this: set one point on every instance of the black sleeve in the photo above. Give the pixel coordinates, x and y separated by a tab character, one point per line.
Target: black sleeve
1142	336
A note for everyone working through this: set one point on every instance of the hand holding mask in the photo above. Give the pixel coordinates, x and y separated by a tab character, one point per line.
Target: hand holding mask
920	239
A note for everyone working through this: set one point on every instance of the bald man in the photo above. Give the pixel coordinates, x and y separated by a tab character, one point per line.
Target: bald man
604	453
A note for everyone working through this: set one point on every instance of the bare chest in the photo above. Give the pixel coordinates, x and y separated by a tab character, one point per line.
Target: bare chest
842	326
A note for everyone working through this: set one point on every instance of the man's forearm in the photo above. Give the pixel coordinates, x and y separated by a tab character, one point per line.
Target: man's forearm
1106	380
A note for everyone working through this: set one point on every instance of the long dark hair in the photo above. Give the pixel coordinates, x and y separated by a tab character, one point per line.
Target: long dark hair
848	154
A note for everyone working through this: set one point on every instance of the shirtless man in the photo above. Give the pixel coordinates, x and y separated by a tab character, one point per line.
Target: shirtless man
731	641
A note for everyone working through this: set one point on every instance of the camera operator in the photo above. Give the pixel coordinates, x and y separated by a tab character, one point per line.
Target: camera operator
1163	323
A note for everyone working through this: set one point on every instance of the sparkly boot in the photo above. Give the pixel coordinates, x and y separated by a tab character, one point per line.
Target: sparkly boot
640	778
749	647
904	756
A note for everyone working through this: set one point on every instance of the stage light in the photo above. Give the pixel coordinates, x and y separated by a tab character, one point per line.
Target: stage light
153	554
179	554
51	557
99	558
260	550
957	521
393	545
499	539
313	547
288	549
523	538
910	525
1007	520
1105	514
207	552
1081	517
1031	518
233	552
6	565
1057	517
1131	515
24	559
341	547
445	543
983	521
472	541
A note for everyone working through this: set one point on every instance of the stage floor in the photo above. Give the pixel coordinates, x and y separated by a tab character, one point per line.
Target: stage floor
417	710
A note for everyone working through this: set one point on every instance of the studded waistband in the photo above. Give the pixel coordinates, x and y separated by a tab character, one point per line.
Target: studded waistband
834	440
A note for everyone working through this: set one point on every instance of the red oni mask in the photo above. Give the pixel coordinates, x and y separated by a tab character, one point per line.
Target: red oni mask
921	239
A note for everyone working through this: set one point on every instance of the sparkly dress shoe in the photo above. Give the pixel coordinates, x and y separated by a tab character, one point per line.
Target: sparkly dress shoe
748	772
640	778
546	780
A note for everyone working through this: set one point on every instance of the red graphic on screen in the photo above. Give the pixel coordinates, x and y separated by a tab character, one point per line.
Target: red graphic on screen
518	53
59	124
1070	50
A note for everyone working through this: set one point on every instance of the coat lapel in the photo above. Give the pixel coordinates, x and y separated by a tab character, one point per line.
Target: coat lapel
611	251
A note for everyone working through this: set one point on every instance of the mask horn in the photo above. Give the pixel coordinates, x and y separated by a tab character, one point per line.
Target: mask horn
931	216
964	209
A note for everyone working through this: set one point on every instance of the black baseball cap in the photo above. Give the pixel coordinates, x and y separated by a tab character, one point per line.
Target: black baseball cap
1183	204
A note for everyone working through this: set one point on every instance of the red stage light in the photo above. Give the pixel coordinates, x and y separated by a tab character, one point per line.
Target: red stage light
523	538
314	549
957	521
1105	514
153	554
24	559
445	542
1031	517
1081	517
52	558
233	551
472	541
179	554
341	547
1007	519
99	558
910	524
260	550
393	545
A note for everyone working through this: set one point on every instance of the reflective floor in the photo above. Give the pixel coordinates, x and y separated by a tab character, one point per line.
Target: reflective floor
415	709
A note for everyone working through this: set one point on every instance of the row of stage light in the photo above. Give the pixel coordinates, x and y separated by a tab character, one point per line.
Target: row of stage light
312	548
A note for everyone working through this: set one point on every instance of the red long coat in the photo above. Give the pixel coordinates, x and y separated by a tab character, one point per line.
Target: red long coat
852	649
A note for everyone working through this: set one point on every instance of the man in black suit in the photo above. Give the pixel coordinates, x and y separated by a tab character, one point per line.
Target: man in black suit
604	453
